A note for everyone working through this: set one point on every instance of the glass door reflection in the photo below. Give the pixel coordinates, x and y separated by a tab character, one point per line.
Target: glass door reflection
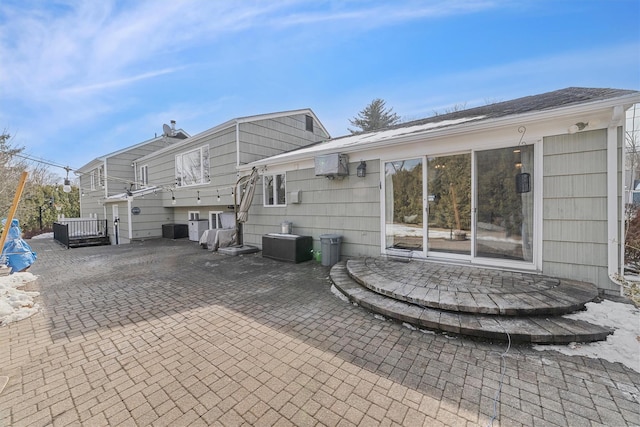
449	204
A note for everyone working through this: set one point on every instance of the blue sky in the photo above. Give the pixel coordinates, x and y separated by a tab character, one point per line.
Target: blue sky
84	78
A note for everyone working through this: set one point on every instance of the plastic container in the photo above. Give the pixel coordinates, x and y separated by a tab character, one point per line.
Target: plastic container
330	248
286	227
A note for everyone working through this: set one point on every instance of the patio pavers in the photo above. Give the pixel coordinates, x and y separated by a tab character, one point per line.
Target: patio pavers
164	333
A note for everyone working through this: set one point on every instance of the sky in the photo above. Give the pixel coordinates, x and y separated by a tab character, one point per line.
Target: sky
80	79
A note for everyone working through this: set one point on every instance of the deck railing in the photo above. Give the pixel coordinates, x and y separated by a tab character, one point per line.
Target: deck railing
67	229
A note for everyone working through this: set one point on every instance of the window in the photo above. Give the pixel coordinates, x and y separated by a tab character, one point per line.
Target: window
192	167
93	180
194	215
214	219
309	123
101	176
144	176
274	189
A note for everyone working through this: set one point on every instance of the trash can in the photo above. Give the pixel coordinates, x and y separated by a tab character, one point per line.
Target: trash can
330	248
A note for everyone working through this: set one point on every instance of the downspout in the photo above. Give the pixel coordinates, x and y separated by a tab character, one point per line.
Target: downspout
106	189
129	218
614	242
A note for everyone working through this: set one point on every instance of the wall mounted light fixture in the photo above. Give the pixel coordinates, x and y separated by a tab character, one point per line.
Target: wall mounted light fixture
198	201
577	127
361	170
173	198
67	183
218	194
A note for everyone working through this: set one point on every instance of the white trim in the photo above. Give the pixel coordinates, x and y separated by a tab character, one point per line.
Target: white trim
129	217
534	265
217	214
237	144
531	119
612	190
274	189
189	218
231	123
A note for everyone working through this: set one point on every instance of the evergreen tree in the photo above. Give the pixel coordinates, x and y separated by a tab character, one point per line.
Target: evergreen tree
374	116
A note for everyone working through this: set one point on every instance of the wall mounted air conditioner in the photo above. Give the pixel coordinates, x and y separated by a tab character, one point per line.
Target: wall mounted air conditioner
332	165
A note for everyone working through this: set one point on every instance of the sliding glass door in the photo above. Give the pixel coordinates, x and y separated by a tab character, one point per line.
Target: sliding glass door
449	204
504	220
404	226
477	206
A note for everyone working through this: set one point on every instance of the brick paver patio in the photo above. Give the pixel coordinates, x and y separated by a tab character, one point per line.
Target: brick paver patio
165	333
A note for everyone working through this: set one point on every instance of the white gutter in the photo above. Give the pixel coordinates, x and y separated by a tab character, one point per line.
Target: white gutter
454	130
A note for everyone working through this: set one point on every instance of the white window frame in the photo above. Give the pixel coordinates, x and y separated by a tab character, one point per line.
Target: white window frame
274	196
92	180
194	215
214	219
101	176
144	176
202	171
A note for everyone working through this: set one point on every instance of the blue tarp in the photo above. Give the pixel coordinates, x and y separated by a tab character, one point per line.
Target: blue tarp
18	252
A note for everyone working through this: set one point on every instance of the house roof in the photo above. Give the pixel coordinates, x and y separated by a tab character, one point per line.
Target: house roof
234	122
180	134
535	104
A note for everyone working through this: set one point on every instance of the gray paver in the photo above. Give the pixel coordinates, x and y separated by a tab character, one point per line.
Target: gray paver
164	333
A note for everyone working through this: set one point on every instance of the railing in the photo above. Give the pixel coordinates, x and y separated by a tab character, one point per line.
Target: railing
61	234
67	229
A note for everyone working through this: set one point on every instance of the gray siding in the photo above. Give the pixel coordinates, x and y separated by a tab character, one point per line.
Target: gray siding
265	138
575	207
222	172
349	207
148	224
119	171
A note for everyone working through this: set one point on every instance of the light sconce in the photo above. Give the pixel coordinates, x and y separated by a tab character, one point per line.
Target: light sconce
173	198
198	201
218	194
518	158
361	170
577	127
67	183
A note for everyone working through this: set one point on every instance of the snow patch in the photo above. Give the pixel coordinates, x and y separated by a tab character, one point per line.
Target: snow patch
339	294
16	304
623	346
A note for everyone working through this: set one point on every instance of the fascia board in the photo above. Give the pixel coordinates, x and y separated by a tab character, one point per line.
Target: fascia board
460	129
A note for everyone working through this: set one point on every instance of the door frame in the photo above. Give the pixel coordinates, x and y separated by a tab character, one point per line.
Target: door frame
534	265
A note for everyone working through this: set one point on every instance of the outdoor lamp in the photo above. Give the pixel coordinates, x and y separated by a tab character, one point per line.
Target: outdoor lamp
198	201
577	127
67	186
218	195
361	170
173	198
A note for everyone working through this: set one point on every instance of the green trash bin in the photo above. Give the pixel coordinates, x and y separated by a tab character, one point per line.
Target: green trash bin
330	248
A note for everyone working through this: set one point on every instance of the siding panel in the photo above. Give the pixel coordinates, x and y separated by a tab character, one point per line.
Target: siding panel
575	206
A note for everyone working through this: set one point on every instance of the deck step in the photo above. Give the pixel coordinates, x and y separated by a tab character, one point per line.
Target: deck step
471	290
531	329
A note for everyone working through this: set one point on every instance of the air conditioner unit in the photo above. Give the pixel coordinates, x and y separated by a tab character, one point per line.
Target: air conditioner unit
332	165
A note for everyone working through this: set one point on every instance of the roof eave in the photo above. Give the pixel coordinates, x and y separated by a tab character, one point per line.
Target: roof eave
460	129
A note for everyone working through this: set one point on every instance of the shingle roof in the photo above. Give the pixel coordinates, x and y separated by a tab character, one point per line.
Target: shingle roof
572	96
528	104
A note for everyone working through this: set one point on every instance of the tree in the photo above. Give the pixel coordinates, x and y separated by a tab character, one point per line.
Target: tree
41	200
373	117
